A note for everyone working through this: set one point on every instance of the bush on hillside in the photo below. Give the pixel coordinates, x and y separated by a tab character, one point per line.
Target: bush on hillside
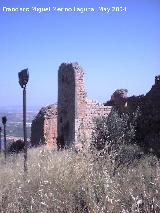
16	147
113	131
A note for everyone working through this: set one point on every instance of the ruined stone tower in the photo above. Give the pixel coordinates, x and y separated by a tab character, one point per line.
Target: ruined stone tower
70	123
71	103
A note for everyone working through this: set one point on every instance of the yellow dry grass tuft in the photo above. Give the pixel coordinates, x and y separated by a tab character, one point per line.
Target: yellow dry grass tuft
68	182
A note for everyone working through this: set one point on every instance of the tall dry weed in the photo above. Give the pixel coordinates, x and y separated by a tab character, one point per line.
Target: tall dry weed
66	182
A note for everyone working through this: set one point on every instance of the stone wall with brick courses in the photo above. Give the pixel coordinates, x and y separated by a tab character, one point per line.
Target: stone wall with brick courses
80	104
81	94
85	125
75	112
44	127
71	122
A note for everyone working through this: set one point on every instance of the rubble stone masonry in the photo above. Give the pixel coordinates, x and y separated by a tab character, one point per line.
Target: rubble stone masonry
44	127
75	112
71	122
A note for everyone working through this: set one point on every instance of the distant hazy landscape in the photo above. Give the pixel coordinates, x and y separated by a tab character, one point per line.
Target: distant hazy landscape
14	116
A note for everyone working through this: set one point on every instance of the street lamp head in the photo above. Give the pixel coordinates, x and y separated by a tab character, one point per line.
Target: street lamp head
23	77
4	120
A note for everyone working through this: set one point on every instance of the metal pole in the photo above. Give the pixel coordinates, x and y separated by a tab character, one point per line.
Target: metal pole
24	129
5	147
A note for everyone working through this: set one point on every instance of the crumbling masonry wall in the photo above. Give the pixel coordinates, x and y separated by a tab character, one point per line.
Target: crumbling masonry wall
147	108
75	112
85	125
70	123
44	127
66	105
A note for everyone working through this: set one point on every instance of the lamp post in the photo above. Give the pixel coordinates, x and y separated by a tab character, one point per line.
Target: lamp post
23	80
0	140
4	121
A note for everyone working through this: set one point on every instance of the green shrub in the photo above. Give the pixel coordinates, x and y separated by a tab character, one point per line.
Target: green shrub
113	131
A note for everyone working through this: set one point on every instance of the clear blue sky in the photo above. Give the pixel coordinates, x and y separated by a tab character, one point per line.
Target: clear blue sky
116	50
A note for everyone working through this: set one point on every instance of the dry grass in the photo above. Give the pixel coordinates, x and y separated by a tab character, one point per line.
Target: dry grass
66	182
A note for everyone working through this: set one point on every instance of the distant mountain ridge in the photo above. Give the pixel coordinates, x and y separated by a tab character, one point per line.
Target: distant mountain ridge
19	108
